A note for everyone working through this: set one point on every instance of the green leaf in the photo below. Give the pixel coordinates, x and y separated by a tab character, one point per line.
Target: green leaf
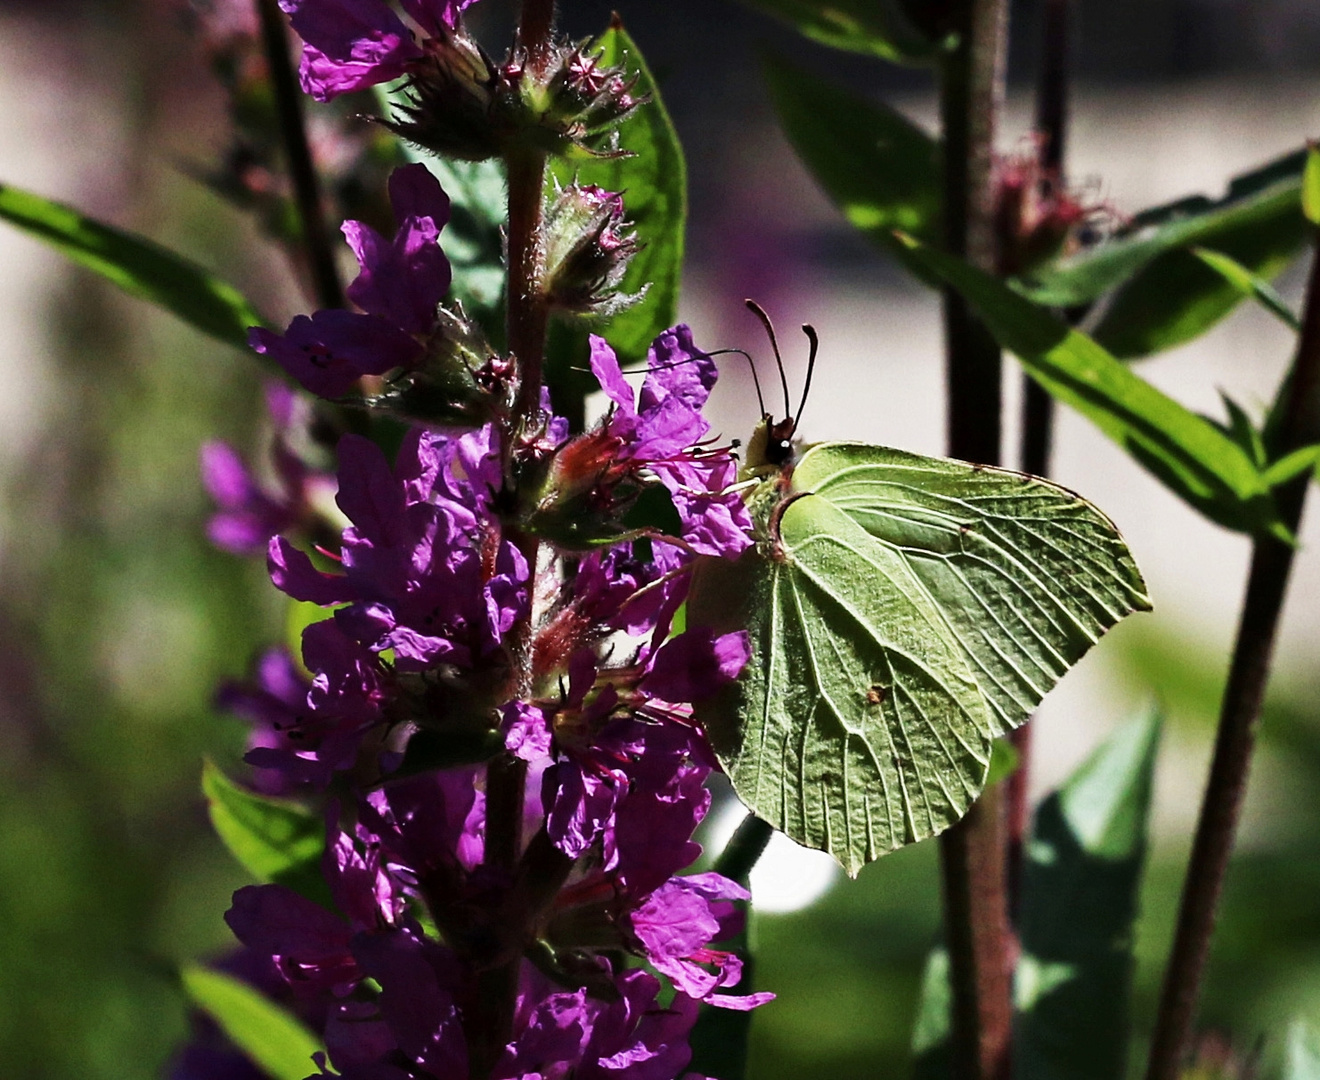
902	611
136	265
1260	199
874	27
653	180
473	238
880	169
275	1040
1302	1061
1079	907
1189	454
1249	285
1311	186
273	839
1164	294
1292	466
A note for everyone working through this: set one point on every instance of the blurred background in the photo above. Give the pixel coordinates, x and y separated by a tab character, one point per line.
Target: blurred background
117	619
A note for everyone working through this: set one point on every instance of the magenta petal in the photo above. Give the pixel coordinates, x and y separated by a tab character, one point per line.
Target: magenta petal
605	366
293	573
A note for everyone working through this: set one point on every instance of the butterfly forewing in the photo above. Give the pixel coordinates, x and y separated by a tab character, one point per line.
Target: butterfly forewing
1025	575
858	726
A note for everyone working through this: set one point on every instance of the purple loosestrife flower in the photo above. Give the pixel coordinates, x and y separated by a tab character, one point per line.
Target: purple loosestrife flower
248	513
427	574
399	287
354	44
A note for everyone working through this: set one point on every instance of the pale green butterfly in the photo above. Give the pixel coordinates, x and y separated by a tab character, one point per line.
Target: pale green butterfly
903	611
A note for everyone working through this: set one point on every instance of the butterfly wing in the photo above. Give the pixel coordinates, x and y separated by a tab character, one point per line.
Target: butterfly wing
857	727
1025	574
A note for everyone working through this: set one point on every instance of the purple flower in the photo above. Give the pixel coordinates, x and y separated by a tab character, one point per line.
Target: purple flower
249	514
353	44
330	350
662	433
403	280
426	574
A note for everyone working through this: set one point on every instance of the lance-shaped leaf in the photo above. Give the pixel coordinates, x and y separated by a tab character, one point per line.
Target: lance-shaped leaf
276	1041
653	180
874	27
878	167
136	265
1164	294
903	611
1188	453
1079	906
1249	285
273	839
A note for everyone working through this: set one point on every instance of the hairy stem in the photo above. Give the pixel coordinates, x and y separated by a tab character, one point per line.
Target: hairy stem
972	853
1271	562
306	184
526	311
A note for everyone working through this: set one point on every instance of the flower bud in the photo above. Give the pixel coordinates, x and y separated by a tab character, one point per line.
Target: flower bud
460	382
588	248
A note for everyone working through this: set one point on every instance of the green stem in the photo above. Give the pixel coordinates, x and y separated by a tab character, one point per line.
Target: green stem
302	171
1248	676
744	849
973	852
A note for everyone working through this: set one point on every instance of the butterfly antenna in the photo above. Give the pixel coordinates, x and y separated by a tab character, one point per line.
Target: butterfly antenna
810	331
757	310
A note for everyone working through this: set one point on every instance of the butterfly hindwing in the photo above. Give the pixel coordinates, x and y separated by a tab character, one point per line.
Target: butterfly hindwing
856	728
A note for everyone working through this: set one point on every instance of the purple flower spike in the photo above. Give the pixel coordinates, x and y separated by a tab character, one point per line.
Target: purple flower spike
405	279
329	351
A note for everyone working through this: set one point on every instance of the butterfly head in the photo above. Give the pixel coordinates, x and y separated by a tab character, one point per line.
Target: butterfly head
771	445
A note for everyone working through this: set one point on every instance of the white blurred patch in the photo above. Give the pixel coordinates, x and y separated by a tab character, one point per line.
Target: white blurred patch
788	877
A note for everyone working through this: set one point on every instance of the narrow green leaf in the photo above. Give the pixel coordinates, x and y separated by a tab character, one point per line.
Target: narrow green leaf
1303	1057
136	265
653	180
1079	904
878	167
1311	186
1292	466
1249	285
273	839
1190	455
874	27
1264	198
275	1040
1243	431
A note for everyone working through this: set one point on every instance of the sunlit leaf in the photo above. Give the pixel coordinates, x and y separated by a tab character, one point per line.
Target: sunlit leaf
1249	285
1079	907
878	167
273	839
903	611
1190	455
1311	186
875	27
1161	294
274	1039
136	265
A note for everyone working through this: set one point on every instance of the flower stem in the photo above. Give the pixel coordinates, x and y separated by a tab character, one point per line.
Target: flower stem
1271	562
306	185
526	311
1037	405
972	852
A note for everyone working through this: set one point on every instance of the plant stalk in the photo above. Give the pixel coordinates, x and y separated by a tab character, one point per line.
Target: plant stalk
1221	808
306	184
1037	405
978	935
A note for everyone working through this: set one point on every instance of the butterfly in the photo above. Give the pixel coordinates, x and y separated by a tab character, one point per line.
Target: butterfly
903	612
